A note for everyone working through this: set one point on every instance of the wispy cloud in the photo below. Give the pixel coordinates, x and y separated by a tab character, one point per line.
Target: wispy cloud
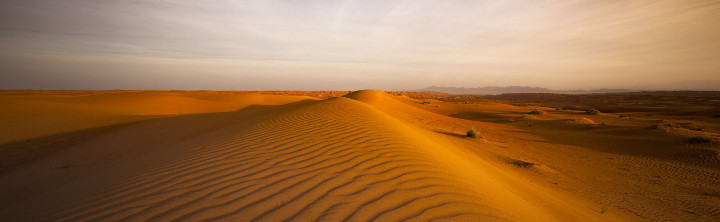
557	44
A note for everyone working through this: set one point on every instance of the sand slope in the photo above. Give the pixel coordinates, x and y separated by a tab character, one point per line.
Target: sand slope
31	114
621	162
346	158
38	123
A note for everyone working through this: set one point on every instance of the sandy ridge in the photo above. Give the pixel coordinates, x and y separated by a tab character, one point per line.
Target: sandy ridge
335	159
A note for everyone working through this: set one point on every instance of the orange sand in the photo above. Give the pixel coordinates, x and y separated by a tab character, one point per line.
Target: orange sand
365	156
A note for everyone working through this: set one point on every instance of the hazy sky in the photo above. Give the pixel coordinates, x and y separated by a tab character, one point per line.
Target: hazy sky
349	45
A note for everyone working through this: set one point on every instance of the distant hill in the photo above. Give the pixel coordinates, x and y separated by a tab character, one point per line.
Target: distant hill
685	93
495	90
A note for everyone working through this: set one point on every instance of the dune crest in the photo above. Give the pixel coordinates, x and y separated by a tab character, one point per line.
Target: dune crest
368	96
336	159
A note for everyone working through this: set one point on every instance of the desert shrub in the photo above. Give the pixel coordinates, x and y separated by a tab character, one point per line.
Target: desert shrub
520	163
592	112
701	138
604	209
425	102
472	133
536	112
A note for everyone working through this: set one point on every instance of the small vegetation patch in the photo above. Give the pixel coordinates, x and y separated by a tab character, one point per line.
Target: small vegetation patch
592	112
605	208
521	163
536	112
472	133
425	102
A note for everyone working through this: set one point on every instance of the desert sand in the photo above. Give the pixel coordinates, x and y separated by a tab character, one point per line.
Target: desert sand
339	156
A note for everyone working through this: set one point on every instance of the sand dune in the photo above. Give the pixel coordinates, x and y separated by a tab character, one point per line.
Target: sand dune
622	162
36	123
28	115
366	156
335	159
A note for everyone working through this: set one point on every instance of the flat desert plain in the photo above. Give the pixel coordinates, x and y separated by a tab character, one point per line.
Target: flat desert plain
353	156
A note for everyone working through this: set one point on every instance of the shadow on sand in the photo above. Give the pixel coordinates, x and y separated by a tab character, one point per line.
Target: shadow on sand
18	153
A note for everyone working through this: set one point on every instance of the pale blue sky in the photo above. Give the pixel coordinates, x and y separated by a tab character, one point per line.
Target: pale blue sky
349	45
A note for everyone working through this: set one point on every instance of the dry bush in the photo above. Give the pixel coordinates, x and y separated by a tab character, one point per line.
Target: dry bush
536	112
592	112
472	133
520	163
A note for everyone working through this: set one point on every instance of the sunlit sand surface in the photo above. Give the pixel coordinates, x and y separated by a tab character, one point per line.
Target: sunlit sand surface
338	156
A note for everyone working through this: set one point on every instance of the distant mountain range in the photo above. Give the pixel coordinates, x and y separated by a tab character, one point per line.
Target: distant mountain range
495	90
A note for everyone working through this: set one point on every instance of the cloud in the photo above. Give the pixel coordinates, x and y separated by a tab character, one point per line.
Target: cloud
557	44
